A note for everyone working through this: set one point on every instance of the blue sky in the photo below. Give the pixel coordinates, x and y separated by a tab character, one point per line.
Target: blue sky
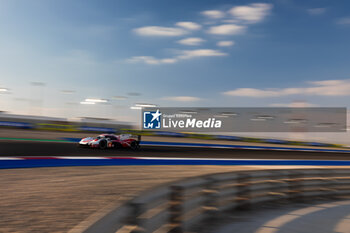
174	53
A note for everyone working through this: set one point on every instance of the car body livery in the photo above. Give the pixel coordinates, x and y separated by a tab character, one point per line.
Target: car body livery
105	141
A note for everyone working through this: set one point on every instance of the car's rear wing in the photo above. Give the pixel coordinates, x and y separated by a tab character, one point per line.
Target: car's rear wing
136	137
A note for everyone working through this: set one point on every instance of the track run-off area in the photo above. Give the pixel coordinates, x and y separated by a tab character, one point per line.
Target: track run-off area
27	153
93	182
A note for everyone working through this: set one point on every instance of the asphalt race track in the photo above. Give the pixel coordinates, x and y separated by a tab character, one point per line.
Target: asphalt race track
30	148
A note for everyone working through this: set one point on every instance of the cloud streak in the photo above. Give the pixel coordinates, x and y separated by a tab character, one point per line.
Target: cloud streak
232	21
317	88
213	14
316	11
188	54
151	60
183	55
225	43
252	13
295	104
182	98
160	31
189	25
195	41
343	21
227	29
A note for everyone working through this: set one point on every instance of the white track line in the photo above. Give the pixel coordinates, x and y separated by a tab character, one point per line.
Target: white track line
343	226
275	224
10	158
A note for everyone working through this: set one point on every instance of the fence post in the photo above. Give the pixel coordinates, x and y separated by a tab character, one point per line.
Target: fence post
333	184
210	205
295	186
243	192
325	186
133	218
282	177
175	209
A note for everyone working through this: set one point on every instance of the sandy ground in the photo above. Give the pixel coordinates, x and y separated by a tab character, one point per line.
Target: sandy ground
57	199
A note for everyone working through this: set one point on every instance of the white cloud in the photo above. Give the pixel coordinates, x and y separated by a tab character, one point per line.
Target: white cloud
230	21
182	98
316	11
344	21
295	104
213	14
145	59
189	25
328	82
317	88
191	41
188	54
227	29
227	43
151	60
183	55
160	31
252	13
168	60
251	92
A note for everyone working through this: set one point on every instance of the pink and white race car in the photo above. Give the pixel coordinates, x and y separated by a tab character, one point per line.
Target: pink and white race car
105	141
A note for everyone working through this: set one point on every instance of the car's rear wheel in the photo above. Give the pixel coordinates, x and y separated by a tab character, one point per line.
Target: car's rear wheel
134	145
102	145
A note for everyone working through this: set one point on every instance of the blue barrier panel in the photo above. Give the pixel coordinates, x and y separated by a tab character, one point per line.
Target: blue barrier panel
316	144
22	125
171	134
97	129
275	141
184	144
32	163
226	137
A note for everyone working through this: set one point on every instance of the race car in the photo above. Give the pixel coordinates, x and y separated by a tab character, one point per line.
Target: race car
105	141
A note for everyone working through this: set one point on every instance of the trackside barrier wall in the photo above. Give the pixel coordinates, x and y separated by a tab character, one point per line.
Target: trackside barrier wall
57	127
195	204
228	138
105	127
21	125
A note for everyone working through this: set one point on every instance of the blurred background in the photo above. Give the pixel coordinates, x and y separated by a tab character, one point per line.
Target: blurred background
72	69
86	61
